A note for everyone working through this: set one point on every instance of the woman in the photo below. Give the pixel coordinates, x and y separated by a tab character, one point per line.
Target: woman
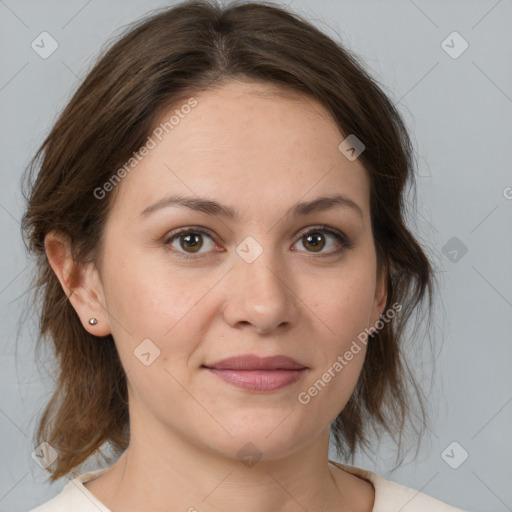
225	270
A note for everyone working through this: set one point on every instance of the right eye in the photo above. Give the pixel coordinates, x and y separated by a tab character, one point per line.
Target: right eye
188	241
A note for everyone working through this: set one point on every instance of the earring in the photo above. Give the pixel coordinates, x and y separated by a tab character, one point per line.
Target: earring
93	321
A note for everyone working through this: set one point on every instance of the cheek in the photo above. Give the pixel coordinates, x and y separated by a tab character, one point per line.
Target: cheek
341	304
341	309
173	310
145	294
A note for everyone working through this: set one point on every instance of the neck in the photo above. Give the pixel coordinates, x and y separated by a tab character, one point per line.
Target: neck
200	483
169	472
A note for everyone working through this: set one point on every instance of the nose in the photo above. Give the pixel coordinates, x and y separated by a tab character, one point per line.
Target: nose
261	295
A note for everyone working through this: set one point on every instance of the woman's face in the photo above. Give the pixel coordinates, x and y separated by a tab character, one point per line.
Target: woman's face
268	281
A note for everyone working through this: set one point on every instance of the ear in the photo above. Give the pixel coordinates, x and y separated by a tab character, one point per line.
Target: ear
380	297
81	284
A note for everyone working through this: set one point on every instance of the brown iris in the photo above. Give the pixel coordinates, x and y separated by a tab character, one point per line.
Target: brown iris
315	239
191	242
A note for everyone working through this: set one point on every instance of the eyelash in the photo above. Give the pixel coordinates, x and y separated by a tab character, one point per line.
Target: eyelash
339	236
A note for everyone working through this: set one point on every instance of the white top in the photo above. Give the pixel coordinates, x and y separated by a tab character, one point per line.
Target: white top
389	496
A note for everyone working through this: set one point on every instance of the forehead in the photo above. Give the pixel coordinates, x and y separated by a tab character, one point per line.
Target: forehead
247	145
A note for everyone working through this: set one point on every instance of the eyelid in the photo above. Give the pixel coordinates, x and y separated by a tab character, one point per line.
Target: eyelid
333	231
187	229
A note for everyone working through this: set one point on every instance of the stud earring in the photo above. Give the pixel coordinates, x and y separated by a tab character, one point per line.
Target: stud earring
93	321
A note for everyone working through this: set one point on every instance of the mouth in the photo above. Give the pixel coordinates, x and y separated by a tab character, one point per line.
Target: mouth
258	374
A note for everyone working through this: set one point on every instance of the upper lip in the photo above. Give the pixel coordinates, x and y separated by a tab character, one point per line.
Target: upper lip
253	362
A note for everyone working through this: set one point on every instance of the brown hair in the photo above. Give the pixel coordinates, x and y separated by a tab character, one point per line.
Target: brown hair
172	53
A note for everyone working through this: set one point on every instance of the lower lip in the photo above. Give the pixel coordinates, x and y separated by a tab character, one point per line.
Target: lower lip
259	380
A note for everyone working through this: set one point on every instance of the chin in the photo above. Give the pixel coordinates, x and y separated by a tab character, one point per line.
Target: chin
262	438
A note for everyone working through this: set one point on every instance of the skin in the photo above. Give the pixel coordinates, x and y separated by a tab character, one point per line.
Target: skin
260	150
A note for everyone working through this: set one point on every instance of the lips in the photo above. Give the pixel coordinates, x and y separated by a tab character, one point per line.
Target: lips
252	362
258	374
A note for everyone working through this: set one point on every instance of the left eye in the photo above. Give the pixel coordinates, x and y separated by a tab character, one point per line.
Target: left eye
316	240
191	241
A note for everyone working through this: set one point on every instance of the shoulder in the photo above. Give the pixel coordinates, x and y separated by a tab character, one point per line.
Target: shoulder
391	496
75	496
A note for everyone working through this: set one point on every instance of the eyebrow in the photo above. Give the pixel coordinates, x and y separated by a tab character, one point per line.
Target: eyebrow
211	207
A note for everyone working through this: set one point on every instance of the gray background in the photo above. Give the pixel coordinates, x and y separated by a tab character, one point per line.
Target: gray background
459	111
